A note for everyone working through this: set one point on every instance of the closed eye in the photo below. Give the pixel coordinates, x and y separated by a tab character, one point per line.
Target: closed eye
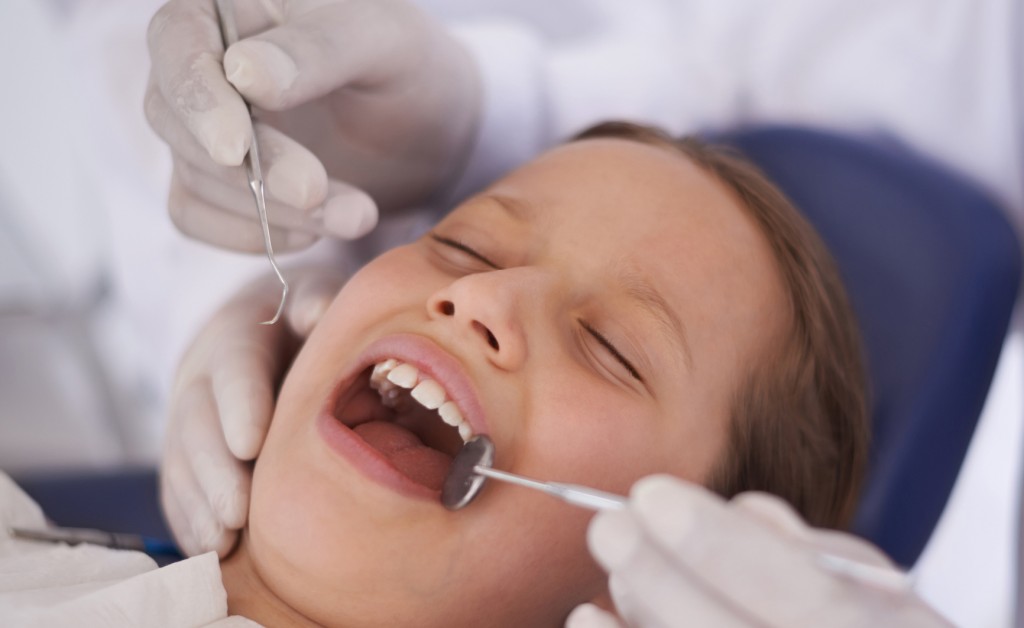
465	249
611	349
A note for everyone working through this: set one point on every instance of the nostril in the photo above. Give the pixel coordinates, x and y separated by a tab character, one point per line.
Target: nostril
447	308
491	340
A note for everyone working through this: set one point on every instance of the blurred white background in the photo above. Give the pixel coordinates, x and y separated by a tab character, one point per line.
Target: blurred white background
98	293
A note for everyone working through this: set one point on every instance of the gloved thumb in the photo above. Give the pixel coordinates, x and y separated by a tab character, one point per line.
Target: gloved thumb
590	616
312	294
317	50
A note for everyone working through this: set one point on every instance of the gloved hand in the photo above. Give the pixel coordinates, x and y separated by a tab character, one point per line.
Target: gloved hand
222	402
356	98
679	555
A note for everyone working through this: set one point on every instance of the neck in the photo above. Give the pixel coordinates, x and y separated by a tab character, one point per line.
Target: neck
251	597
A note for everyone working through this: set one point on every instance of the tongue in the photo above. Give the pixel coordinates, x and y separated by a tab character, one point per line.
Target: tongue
407	453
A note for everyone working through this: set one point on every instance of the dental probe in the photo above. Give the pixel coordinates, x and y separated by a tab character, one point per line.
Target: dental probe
115	540
472	465
253	170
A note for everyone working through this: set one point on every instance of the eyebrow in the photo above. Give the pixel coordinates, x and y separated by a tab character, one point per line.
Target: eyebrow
669	323
515	207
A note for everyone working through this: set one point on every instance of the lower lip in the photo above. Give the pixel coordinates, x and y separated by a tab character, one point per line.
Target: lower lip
367	460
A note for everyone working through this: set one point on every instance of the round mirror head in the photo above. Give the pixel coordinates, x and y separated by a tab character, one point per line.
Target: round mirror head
463	482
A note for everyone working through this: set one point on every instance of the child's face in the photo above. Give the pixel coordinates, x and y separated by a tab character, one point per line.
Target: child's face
605	238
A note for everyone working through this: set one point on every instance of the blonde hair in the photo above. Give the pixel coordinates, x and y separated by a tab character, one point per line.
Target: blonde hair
798	427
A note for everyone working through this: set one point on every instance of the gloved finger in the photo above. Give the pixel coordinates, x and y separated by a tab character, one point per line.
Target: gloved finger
739	559
169	127
772	511
222	478
356	43
199	219
204	533
186	50
648	588
231	194
347	213
176	519
312	293
848	546
292	174
243	386
590	616
189	515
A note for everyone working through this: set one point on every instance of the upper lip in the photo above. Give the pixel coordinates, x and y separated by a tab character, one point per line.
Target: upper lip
434	362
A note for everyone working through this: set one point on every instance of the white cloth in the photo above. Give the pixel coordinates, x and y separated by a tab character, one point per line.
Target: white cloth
44	584
944	76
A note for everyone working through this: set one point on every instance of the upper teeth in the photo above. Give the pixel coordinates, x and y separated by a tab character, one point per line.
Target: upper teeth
390	375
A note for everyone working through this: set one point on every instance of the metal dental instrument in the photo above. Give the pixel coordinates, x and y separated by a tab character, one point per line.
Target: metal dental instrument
115	540
229	35
472	466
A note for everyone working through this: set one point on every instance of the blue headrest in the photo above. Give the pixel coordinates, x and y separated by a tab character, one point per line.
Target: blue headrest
932	268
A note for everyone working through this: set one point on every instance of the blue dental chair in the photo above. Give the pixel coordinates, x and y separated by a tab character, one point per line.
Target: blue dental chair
932	268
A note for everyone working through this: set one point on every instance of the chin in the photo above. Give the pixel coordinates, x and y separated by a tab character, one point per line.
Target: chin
345	552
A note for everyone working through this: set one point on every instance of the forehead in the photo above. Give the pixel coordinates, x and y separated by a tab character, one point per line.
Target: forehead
614	207
615	193
639	207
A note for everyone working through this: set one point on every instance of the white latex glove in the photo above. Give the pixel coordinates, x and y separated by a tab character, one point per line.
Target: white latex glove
222	402
356	98
679	555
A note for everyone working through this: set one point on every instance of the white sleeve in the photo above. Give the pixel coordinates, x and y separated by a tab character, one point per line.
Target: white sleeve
551	69
512	128
944	76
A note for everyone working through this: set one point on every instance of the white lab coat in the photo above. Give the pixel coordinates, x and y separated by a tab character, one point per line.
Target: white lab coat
98	293
944	76
85	232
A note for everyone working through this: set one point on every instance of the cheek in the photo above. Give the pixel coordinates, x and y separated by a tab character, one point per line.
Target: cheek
400	275
345	558
400	278
286	530
590	433
341	549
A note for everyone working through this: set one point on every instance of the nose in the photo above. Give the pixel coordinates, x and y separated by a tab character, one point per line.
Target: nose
488	311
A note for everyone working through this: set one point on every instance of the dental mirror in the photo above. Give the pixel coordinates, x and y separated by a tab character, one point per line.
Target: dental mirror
463	482
472	465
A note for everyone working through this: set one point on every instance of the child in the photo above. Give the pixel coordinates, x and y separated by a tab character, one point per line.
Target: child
621	306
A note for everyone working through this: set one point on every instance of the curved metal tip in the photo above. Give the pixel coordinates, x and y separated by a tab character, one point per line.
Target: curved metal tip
252	161
280	306
252	168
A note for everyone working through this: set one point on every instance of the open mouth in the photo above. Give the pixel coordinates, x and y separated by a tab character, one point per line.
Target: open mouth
408	417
